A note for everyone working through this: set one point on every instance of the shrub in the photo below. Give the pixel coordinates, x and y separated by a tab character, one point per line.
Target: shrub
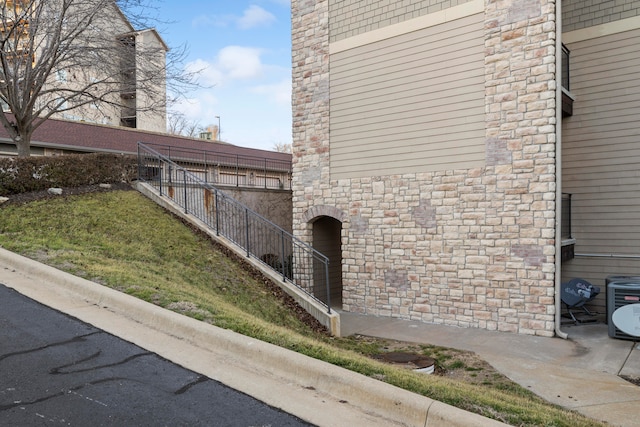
21	175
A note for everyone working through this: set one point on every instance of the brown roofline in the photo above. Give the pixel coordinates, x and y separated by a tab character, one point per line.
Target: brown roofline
89	137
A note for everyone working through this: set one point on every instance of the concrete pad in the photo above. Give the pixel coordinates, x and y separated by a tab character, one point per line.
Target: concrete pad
624	414
570	388
579	373
595	350
631	367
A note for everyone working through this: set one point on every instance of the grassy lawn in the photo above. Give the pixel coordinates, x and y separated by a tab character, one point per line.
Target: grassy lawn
124	241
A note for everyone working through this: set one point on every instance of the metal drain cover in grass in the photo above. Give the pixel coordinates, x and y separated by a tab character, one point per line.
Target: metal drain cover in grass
413	361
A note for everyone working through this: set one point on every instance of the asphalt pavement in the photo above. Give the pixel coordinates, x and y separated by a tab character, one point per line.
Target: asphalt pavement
57	370
314	391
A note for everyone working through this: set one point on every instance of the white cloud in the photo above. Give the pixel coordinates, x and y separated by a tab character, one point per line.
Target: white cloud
203	21
201	109
213	21
231	63
191	108
280	93
282	2
252	17
238	62
207	74
255	16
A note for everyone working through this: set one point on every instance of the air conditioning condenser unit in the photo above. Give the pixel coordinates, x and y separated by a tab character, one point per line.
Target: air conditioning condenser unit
623	310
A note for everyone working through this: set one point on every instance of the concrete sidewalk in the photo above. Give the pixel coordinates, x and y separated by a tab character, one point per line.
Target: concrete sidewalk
580	373
315	391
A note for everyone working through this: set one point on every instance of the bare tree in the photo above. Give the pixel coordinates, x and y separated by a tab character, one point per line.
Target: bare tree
282	147
58	56
178	124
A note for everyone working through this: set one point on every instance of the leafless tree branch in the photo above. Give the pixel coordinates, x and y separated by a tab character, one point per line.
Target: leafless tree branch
61	56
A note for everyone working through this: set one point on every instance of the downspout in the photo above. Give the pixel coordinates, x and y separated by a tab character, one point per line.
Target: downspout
558	269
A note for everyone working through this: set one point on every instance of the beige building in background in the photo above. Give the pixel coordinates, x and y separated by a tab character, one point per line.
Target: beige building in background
149	51
430	164
130	105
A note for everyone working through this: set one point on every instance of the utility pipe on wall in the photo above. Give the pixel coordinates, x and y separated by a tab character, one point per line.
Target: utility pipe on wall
558	272
624	256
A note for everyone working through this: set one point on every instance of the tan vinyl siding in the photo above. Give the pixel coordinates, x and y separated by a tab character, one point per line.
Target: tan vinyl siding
601	154
411	103
577	14
353	17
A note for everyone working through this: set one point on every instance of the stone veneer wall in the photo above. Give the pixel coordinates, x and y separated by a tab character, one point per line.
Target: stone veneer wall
472	248
310	148
520	138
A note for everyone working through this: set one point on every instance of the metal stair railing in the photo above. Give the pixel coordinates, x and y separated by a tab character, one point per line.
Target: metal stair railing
296	261
230	169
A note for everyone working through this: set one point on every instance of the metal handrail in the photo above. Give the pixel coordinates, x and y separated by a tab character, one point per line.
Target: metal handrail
172	152
230	169
297	262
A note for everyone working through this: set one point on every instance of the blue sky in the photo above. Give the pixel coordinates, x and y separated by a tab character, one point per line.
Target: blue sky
244	50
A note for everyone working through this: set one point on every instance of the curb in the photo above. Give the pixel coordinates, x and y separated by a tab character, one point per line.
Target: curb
375	400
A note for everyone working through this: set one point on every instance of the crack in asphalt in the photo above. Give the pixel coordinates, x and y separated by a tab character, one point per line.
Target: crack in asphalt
200	379
80	338
59	370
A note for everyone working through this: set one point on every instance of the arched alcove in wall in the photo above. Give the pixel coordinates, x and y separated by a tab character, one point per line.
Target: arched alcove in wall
327	239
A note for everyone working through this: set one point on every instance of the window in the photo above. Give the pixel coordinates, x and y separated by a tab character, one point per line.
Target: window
568	242
567	97
61	104
566	217
61	75
565	68
17	3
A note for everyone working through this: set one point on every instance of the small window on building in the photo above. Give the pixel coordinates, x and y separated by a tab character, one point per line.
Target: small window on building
568	241
61	75
567	97
565	68
566	233
62	103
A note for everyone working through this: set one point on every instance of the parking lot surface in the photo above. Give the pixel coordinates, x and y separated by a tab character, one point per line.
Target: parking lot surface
57	370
